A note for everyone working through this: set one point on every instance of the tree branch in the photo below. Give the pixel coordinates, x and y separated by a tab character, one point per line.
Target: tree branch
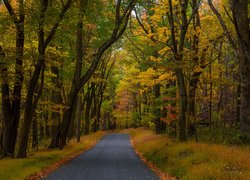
54	28
224	27
11	11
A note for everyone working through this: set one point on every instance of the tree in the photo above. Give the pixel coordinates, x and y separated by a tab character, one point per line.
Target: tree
241	23
31	98
11	106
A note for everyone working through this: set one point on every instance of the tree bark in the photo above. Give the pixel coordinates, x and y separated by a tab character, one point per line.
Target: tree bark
35	133
157	110
11	108
78	115
182	105
195	76
57	102
177	47
240	14
87	111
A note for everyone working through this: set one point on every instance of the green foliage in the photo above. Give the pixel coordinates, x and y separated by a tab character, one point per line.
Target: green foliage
222	135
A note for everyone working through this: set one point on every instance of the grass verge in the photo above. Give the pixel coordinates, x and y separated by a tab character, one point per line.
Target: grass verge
191	160
42	162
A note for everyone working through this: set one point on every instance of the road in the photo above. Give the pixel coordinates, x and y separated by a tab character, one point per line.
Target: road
113	158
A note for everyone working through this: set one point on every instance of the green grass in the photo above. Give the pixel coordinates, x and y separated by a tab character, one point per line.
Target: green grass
193	161
17	169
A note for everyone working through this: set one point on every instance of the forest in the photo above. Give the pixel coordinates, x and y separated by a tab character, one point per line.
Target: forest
73	67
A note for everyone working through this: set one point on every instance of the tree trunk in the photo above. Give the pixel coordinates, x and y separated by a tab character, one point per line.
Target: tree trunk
75	88
210	97
87	112
11	108
94	108
35	133
240	14
57	102
192	130
29	108
182	105
98	117
78	115
157	110
238	103
66	118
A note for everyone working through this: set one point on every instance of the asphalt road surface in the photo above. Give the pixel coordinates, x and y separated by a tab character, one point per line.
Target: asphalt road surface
113	158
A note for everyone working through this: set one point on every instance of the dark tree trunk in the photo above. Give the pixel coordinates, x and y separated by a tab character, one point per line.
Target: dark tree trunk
157	110
87	112
67	118
72	130
29	108
99	104
192	130
11	108
98	117
94	107
75	88
210	97
182	105
41	128
240	14
35	133
178	47
139	111
238	103
102	86
57	103
78	115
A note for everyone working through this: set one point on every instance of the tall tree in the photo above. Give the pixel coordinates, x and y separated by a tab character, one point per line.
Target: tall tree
32	98
178	54
241	23
11	106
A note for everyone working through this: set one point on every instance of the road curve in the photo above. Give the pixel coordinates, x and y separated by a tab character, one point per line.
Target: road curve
113	158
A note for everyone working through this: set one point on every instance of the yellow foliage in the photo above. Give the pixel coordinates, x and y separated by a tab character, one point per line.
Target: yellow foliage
165	76
164	51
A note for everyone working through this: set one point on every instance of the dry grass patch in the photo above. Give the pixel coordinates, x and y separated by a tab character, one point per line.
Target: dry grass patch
46	160
193	160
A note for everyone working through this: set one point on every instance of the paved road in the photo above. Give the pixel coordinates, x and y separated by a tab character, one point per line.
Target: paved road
112	158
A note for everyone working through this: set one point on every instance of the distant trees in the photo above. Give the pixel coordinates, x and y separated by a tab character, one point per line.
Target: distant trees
176	37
